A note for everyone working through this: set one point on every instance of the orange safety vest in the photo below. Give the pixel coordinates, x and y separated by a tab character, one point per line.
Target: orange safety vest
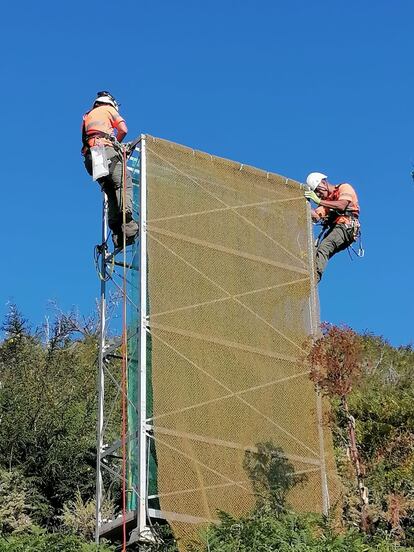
342	191
99	123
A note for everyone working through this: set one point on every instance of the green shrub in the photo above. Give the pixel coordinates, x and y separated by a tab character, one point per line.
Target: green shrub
262	531
79	516
20	505
50	543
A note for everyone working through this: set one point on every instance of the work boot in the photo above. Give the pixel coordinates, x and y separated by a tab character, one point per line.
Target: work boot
130	228
131	239
118	240
117	236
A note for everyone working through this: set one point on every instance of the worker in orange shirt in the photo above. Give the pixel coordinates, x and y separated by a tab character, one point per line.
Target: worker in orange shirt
100	126
338	210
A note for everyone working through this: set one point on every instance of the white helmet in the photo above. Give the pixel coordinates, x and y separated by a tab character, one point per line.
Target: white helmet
106	98
314	179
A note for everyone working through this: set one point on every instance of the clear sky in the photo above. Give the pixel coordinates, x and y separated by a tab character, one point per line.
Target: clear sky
288	86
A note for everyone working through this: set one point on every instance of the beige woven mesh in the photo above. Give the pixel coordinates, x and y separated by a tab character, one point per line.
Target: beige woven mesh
229	300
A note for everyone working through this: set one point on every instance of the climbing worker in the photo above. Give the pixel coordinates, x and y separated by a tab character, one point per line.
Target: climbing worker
338	211
102	131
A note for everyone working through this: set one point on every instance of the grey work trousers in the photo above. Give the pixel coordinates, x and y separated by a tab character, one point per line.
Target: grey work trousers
112	186
338	238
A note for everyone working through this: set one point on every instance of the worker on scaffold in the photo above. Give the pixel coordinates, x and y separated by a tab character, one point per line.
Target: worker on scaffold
338	211
103	129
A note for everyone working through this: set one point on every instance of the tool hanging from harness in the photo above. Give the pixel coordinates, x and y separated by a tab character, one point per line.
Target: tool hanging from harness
100	162
353	229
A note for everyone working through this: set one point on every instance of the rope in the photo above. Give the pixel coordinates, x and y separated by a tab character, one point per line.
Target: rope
124	353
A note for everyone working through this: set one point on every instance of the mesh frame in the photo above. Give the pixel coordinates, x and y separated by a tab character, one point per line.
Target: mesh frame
231	303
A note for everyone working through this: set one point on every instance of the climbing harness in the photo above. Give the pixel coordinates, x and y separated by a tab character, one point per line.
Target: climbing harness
353	228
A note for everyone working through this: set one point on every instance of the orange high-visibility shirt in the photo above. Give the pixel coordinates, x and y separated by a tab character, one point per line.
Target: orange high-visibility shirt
103	118
342	191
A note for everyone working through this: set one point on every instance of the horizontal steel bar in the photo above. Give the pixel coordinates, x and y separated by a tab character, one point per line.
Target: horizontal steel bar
174	516
229	444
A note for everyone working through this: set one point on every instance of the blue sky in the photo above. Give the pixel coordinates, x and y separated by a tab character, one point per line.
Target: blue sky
290	87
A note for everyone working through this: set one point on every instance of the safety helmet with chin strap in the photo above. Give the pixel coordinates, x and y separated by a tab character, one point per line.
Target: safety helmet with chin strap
314	179
105	97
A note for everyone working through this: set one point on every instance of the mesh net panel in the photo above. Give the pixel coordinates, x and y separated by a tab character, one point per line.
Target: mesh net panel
229	292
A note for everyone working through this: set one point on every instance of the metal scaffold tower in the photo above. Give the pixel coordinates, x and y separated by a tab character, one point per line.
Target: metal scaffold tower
122	375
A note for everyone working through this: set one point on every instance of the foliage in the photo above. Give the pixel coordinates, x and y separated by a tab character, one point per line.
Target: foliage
19	504
50	543
262	531
336	360
47	459
48	405
379	393
79	516
271	474
384	409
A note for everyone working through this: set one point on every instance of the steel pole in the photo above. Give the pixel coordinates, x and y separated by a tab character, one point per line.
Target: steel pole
314	323
101	374
142	390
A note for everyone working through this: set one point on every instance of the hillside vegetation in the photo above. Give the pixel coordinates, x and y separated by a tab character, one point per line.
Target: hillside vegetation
48	433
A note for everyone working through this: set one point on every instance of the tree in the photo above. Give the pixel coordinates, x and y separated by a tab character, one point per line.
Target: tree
384	402
48	406
336	362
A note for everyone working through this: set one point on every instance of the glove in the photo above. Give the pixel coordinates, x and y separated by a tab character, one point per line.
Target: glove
310	195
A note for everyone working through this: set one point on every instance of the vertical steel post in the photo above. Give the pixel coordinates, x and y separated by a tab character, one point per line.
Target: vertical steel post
314	318
101	374
324	478
142	380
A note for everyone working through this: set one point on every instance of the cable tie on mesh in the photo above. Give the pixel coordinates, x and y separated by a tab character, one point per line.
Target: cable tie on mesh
286	180
241	167
267	176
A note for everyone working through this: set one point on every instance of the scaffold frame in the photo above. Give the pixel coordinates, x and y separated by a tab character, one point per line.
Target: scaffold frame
106	350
